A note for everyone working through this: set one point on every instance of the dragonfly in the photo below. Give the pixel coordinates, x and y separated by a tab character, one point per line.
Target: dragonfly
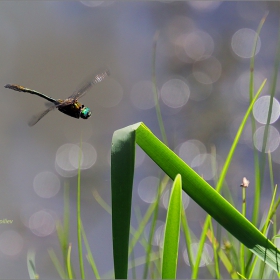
69	106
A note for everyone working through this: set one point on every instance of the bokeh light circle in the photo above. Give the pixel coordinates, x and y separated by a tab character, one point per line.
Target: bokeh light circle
42	223
242	42
261	109
11	243
207	71
198	45
65	173
175	93
190	149
62	156
272	141
242	84
203	165
74	155
88	156
68	155
46	184
148	189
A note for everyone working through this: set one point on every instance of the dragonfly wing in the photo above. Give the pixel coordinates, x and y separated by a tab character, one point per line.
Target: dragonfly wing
51	104
39	116
88	84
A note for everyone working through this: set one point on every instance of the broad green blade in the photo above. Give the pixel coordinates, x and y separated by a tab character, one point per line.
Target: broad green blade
122	171
172	231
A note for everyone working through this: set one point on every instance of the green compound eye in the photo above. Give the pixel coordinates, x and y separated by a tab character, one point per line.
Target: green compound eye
85	113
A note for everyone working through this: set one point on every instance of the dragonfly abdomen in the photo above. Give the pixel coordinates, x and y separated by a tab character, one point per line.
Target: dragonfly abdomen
24	89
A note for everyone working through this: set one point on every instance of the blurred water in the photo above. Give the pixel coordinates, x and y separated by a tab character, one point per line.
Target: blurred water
52	46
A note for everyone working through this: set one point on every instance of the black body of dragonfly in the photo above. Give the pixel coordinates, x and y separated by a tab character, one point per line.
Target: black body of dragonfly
69	106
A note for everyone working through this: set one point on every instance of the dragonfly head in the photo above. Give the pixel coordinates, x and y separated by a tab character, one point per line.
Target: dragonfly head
85	113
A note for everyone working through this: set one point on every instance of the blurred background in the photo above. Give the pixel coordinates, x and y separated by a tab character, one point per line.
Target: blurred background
202	70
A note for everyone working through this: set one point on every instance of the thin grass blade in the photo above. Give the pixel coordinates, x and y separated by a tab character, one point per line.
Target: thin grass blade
172	231
31	265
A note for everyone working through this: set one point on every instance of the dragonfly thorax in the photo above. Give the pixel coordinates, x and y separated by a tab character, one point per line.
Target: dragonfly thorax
85	113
